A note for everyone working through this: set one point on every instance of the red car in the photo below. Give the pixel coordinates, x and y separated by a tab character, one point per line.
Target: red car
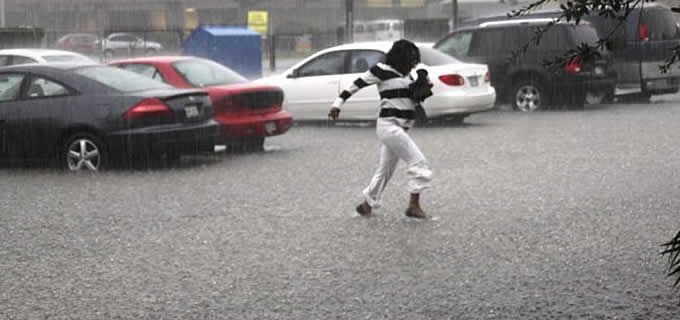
247	112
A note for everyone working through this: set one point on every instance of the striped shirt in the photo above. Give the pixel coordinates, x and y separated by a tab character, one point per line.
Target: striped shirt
393	88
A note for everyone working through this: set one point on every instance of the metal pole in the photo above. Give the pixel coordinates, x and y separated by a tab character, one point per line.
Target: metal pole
2	14
349	21
454	14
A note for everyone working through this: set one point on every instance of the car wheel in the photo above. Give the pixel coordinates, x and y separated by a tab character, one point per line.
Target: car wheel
528	96
83	152
458	119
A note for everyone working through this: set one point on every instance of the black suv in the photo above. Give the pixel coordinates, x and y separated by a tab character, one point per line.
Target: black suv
525	80
638	47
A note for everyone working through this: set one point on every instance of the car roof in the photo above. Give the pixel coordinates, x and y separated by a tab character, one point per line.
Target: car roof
370	45
37	53
155	59
47	67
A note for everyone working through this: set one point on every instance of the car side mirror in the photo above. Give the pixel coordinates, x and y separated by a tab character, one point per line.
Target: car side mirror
293	74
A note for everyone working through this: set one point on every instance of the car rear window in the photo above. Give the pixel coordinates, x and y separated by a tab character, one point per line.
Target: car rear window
119	79
201	73
660	24
584	33
432	57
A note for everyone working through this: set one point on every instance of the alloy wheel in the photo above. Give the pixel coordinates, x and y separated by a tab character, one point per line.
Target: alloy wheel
83	154
528	98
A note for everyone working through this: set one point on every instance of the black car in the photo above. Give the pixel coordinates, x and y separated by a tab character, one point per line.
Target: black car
524	79
637	47
89	116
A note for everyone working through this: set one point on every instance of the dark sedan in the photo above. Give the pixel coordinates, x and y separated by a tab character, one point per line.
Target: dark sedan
89	116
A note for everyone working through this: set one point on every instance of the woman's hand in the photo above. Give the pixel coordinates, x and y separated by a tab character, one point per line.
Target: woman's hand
334	113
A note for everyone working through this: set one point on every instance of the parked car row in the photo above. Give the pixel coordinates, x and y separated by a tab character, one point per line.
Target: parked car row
112	45
62	105
88	116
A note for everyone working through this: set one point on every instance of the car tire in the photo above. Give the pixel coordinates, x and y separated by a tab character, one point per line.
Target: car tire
458	119
83	151
528	95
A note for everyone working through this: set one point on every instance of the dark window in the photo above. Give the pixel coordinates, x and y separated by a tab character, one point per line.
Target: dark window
40	87
457	45
364	59
615	29
119	79
146	70
10	86
492	42
22	60
326	64
201	73
433	57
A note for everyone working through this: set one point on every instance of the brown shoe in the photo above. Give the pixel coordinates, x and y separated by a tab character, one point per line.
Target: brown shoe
363	209
416	213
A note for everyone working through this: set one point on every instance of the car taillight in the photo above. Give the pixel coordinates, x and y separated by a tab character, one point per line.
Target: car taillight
452	79
573	65
487	77
643	31
147	107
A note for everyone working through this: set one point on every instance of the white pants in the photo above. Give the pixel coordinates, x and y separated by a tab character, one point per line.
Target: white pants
397	144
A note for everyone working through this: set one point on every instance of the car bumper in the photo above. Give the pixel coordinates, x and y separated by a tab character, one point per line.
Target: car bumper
256	125
183	139
460	102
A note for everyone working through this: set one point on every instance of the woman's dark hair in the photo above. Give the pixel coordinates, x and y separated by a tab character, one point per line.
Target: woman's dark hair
402	55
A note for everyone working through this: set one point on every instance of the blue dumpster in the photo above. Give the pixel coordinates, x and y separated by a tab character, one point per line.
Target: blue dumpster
236	47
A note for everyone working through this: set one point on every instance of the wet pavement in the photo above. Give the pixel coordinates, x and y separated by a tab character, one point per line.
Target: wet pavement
551	215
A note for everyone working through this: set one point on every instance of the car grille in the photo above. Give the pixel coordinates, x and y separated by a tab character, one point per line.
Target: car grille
250	101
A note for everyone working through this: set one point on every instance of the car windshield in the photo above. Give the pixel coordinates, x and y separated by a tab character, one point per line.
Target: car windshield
66	58
202	73
433	57
121	80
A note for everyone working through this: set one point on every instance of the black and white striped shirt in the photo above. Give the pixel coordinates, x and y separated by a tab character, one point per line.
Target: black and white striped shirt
395	101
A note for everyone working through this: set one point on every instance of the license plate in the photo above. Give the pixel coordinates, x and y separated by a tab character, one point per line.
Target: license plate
474	81
599	71
270	127
191	112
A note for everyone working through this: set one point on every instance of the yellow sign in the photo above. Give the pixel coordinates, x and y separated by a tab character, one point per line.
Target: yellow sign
258	21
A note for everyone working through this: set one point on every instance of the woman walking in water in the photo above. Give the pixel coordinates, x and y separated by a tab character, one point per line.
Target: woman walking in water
397	115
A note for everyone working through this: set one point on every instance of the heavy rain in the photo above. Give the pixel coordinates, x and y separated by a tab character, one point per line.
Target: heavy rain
339	159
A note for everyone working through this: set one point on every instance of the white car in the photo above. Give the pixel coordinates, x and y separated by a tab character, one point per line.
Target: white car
310	86
122	42
9	57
